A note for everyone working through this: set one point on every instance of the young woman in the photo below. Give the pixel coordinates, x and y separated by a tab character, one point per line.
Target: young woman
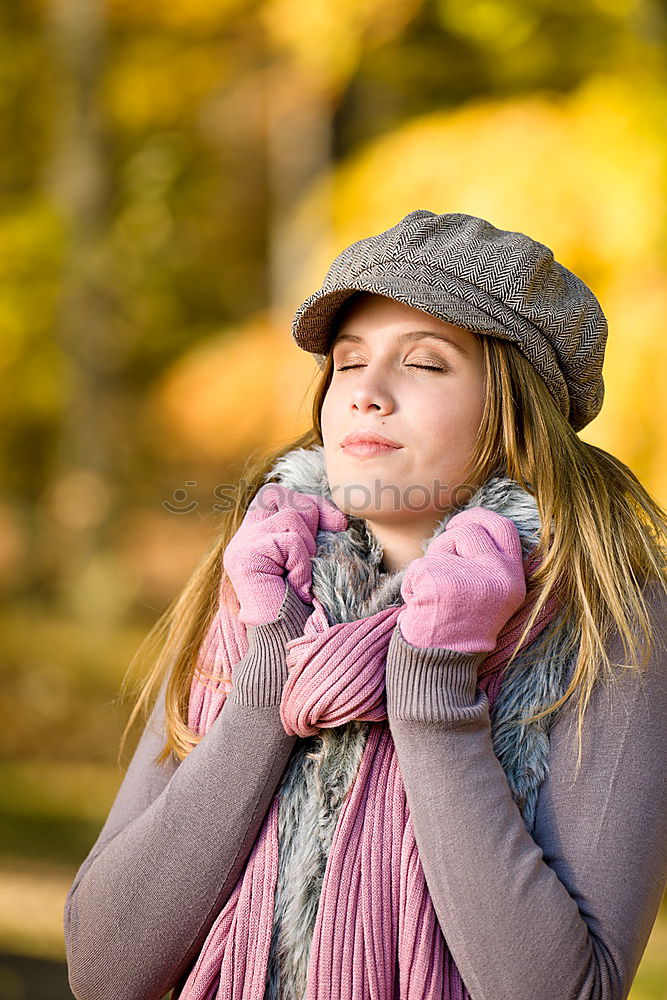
409	735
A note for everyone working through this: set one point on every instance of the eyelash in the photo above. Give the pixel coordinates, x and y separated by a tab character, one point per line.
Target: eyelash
428	368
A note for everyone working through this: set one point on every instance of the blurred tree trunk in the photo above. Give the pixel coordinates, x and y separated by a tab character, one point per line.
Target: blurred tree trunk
80	181
299	142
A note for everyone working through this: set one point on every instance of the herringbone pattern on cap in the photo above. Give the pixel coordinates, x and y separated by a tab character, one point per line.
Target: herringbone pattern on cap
466	271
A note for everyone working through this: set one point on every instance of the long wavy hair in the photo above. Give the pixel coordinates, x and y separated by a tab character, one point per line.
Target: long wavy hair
607	542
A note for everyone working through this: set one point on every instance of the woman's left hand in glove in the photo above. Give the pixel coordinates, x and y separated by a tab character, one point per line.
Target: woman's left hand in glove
467	586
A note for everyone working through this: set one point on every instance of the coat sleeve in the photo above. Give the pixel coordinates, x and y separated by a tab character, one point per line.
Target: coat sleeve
564	914
178	835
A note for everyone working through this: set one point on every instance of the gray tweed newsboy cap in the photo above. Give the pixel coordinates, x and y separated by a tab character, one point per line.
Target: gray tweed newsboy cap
465	271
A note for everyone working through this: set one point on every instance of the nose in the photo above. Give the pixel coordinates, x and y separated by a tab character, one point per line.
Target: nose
369	394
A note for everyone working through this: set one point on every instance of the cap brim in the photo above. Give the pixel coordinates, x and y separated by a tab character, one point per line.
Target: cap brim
311	327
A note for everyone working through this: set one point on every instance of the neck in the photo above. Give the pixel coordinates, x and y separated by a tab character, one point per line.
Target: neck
401	543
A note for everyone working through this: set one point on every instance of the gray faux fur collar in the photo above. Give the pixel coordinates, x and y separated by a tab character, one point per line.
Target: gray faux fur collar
349	581
347	570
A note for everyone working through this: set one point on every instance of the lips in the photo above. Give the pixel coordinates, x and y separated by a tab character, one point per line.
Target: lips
369	438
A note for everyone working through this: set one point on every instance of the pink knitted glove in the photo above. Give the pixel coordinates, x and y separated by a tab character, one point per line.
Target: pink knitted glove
467	586
273	546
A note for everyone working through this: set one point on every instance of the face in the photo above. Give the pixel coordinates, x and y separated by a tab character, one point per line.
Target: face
417	380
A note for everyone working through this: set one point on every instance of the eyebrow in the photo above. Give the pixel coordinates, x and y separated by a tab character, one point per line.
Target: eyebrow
408	336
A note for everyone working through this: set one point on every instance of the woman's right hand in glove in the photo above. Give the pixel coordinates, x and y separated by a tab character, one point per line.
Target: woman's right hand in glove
273	547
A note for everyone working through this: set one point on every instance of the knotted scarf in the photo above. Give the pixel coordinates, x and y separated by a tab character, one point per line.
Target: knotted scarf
376	934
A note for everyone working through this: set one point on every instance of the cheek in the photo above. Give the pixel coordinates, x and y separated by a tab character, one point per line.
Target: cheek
451	419
336	399
330	415
327	409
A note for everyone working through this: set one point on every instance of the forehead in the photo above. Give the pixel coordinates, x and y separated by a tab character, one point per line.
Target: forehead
409	337
365	317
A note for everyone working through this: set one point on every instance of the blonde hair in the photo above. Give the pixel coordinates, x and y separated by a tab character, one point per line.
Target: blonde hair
607	541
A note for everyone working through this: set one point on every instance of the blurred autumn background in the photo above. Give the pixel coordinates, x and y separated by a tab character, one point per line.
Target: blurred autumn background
175	177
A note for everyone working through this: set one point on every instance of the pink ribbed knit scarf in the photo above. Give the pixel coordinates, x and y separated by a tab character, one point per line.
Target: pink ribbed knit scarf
375	922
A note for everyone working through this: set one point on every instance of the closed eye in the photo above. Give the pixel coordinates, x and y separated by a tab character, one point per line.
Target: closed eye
432	368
